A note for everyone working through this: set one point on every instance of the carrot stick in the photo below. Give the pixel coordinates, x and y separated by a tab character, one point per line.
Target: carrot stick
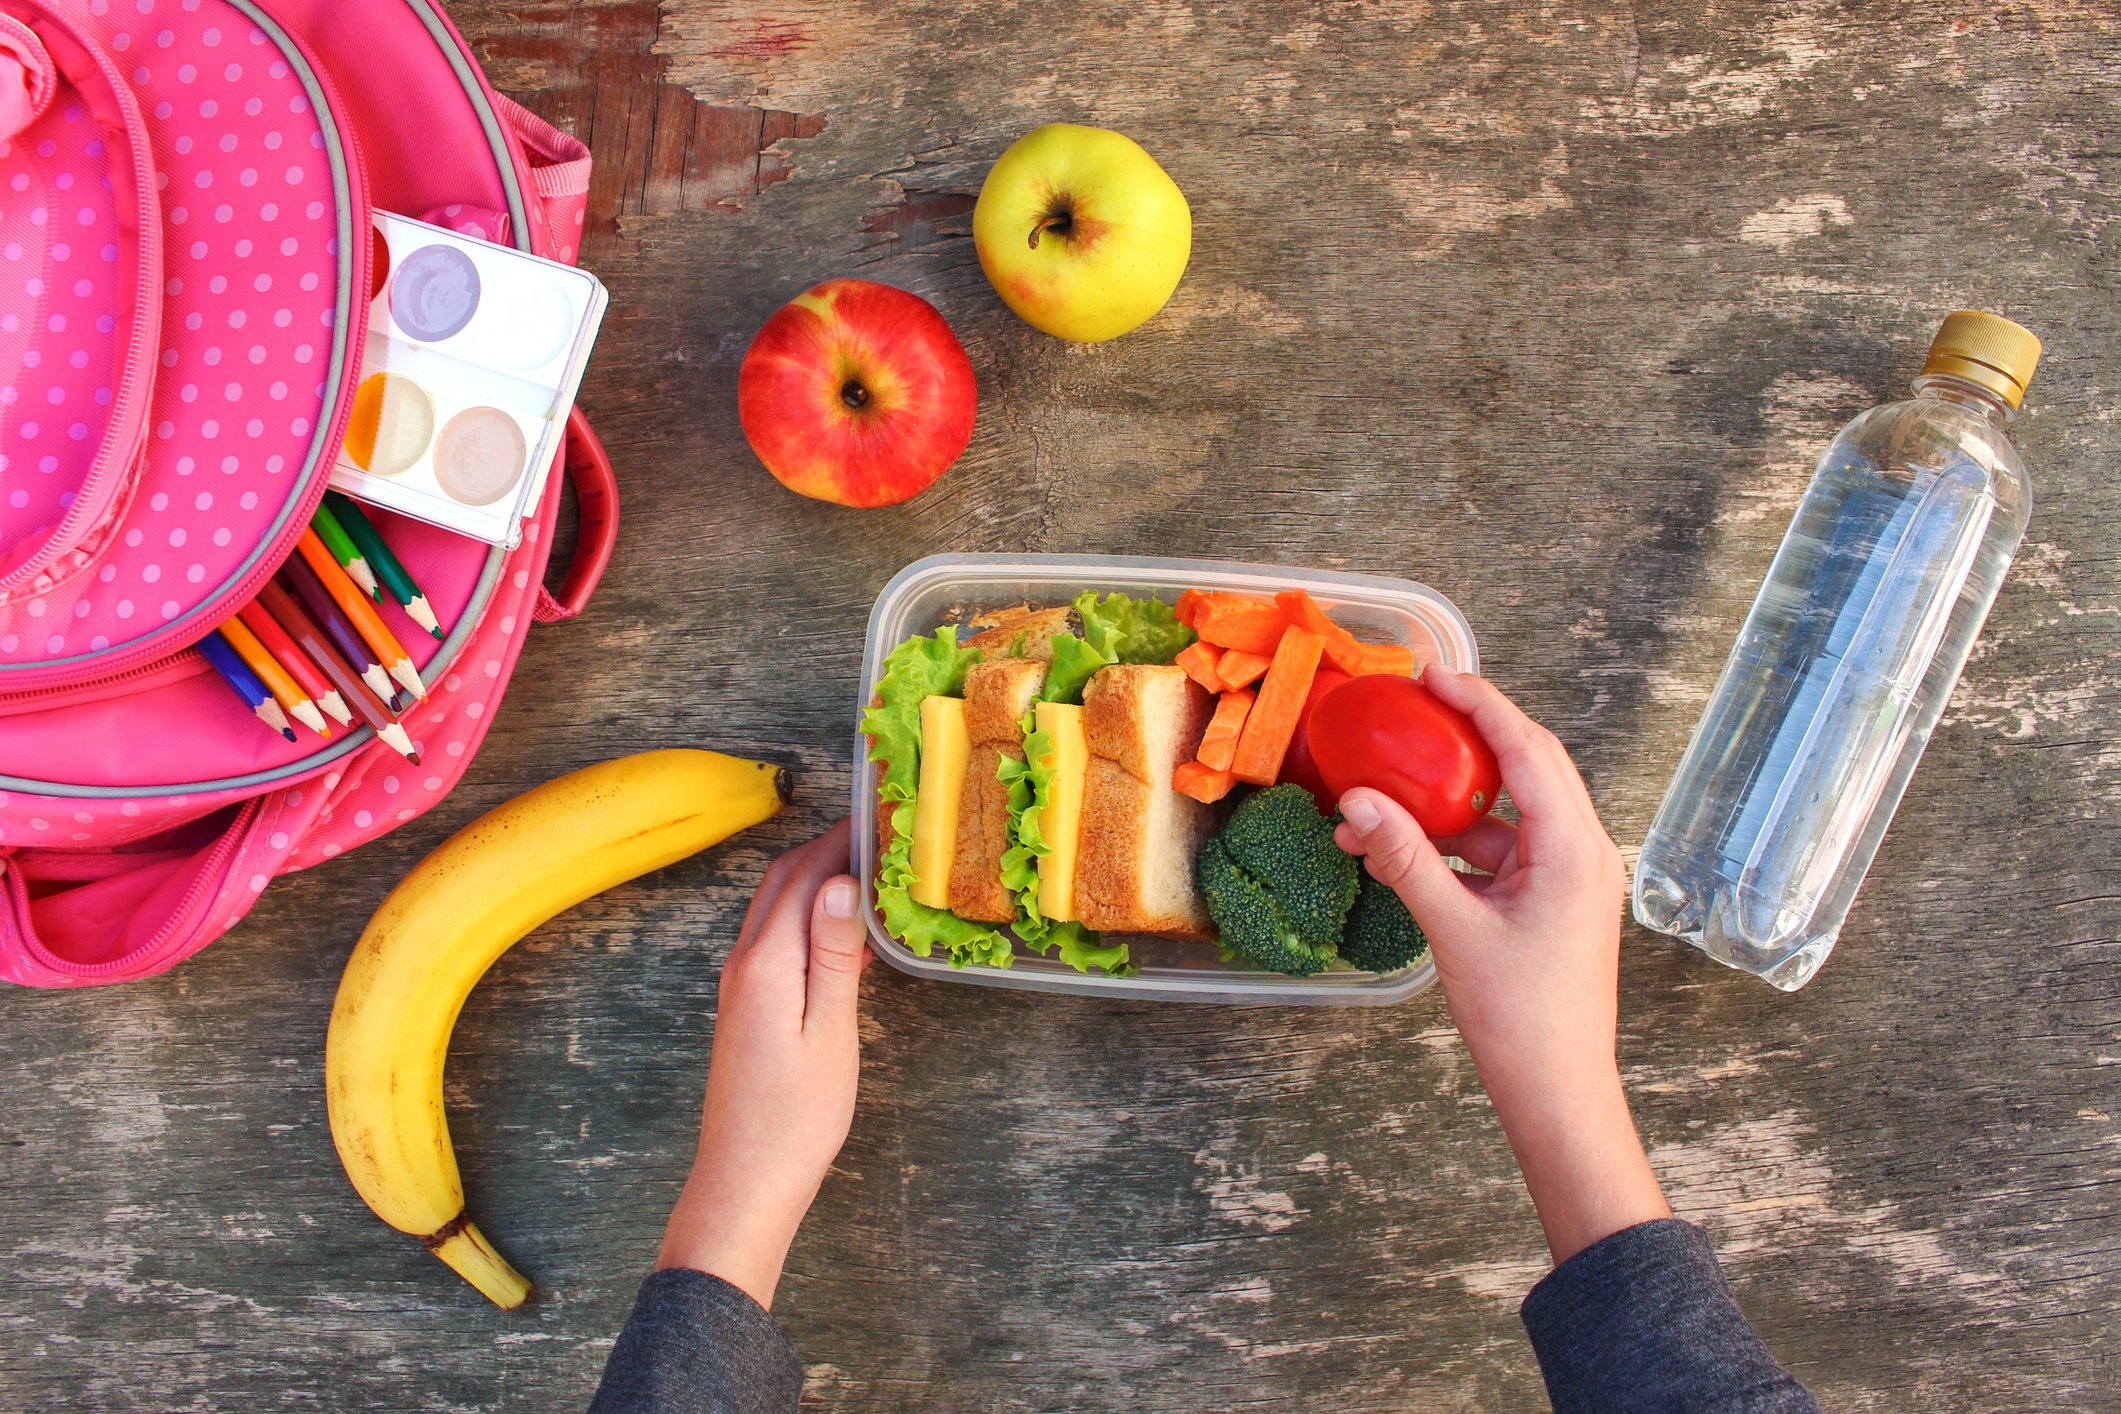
1187	603
1203	783
1279	708
1394	658
1237	668
1199	662
1234	621
1218	745
1343	649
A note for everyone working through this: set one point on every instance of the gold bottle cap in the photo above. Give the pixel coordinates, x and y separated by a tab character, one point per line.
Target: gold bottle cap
1986	349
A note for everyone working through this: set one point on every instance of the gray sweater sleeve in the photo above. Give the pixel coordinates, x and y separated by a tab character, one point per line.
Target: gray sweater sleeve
1643	1321
697	1344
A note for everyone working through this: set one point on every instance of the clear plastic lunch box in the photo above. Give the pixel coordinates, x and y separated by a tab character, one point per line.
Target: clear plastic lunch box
945	589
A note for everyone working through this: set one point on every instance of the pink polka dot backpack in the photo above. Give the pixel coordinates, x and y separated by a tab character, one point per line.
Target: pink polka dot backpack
186	189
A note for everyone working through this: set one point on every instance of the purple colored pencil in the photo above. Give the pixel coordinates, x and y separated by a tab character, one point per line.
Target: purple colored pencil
303	581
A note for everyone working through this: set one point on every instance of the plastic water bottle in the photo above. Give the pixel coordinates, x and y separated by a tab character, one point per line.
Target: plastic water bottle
1844	664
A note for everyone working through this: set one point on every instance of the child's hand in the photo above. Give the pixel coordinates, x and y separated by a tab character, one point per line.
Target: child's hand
780	1085
1529	953
1529	957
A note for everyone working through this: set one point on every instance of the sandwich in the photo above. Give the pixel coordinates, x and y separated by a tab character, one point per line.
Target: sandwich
1026	784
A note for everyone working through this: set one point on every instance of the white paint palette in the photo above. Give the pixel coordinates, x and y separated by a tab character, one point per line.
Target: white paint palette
473	356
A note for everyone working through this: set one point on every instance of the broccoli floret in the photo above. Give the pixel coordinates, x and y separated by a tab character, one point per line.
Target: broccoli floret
1381	935
1277	886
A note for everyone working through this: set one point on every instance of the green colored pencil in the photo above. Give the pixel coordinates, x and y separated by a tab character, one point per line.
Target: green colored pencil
388	567
343	549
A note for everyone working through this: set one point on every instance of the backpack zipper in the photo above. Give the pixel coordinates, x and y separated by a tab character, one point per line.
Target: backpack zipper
146	310
173	666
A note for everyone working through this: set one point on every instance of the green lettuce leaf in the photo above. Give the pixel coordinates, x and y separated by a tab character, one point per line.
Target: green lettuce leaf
1079	949
1125	630
1115	630
1074	661
1030	791
918	669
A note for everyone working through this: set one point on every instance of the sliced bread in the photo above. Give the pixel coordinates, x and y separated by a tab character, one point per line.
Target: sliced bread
1141	838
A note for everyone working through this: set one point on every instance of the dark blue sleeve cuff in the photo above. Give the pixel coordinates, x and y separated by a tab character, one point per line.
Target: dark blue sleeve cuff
1644	1321
699	1345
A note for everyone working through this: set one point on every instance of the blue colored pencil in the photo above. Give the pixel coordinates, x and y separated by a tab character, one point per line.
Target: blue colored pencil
244	683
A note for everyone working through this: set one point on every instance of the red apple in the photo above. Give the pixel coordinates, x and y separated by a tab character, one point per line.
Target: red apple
857	393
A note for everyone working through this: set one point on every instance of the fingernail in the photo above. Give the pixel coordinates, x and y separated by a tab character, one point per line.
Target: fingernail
1360	813
839	898
1444	668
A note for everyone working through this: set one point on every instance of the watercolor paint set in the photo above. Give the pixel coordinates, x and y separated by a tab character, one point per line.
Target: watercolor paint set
473	355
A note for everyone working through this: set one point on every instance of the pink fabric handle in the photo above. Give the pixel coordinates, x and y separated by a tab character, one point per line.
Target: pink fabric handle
26	77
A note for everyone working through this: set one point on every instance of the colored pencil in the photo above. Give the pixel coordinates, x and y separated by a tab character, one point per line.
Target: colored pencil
306	632
347	595
261	622
343	549
278	681
342	634
244	683
388	567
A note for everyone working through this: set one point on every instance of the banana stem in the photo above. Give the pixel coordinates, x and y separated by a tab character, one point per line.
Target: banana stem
468	1252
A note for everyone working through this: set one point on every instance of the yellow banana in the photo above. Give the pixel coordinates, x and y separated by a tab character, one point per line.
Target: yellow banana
448	921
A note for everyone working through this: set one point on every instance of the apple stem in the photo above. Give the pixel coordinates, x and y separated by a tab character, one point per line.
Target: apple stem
853	394
1060	222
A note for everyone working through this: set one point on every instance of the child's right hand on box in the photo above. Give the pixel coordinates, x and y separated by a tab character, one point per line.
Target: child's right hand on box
1528	953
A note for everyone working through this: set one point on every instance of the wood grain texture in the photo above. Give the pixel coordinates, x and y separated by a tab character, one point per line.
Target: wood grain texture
593	71
1550	307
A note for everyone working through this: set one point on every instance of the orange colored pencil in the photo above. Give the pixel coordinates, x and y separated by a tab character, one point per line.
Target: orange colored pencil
278	681
260	622
362	614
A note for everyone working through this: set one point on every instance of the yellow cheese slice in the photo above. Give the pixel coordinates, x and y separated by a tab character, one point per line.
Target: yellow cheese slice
1061	823
946	747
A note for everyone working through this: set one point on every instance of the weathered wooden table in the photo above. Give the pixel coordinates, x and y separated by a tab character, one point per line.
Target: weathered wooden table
1548	306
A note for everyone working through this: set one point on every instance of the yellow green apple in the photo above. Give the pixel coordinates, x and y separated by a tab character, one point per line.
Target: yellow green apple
1081	232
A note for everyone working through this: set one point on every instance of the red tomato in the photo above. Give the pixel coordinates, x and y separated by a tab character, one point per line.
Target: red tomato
1297	767
1392	734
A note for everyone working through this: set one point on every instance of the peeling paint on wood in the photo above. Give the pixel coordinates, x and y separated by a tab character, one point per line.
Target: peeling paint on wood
1548	306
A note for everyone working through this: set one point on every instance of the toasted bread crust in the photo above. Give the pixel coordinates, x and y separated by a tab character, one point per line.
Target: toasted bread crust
1001	629
997	695
1141	838
976	890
